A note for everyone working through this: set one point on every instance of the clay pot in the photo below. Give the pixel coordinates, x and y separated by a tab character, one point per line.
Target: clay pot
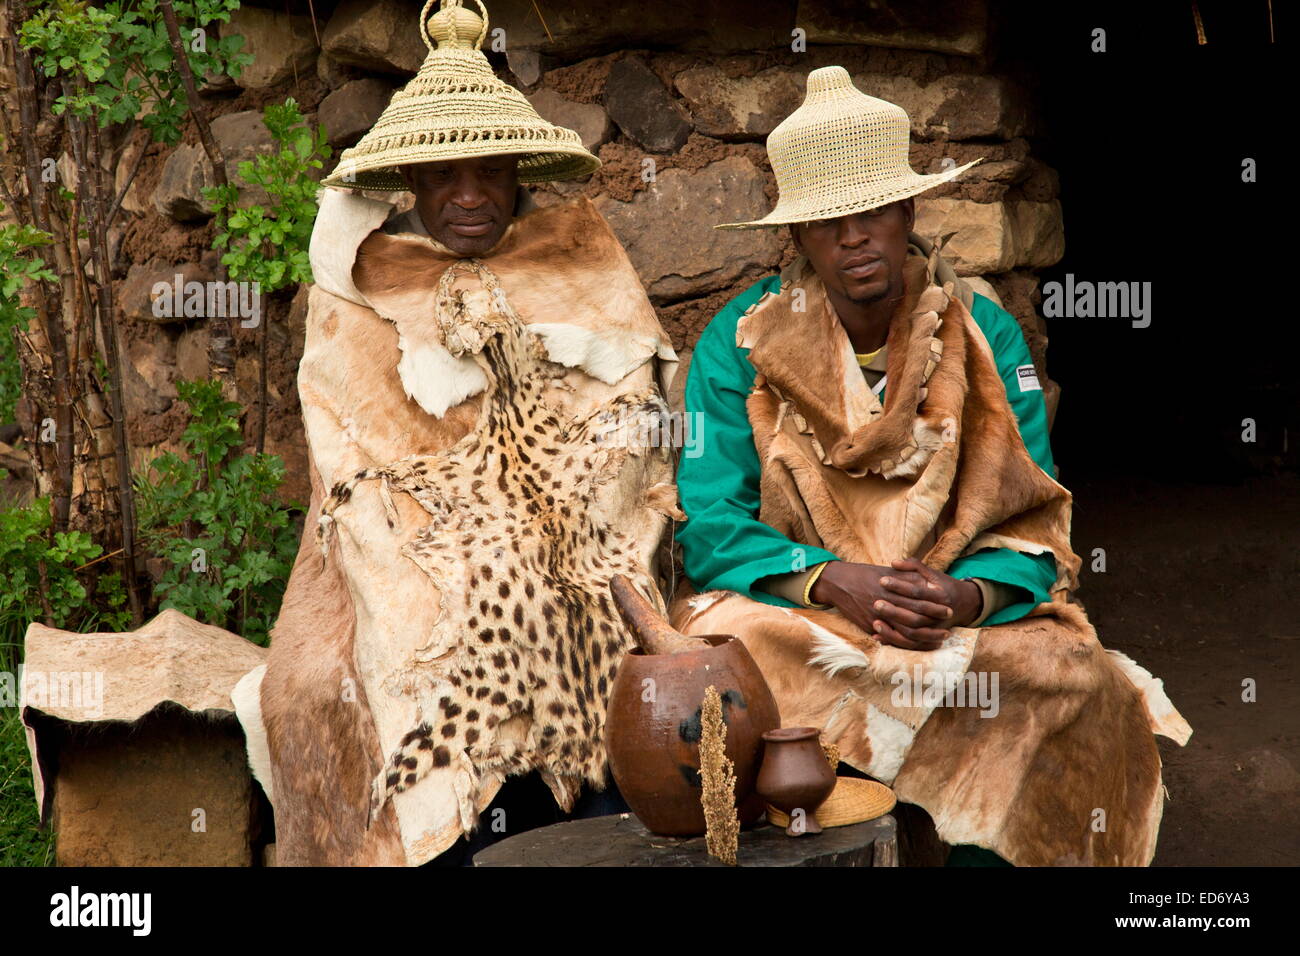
652	732
795	776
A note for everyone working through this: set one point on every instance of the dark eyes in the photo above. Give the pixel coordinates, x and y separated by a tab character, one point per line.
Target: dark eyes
828	223
440	177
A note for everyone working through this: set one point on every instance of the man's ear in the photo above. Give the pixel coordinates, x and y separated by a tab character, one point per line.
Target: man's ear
794	237
408	177
909	212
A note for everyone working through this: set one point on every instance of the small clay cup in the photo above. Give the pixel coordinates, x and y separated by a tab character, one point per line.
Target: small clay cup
795	776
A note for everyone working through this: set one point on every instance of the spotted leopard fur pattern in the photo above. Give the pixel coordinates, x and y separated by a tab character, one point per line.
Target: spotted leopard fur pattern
527	631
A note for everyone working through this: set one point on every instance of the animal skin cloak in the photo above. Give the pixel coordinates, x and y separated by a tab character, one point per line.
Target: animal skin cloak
477	473
1056	764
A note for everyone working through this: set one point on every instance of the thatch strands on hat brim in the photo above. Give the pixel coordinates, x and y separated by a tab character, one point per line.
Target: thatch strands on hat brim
718	776
457	108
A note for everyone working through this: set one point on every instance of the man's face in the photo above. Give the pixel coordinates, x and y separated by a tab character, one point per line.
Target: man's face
859	257
466	204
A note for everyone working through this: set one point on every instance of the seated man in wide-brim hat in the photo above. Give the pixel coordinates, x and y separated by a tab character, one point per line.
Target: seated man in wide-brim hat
875	513
464	363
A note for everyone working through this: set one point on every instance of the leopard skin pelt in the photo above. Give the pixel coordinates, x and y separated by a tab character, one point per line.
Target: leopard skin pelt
527	632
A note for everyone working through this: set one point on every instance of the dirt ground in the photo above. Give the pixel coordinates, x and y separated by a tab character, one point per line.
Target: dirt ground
1201	588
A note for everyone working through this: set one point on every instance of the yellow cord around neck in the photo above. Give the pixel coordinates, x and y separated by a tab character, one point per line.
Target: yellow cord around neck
868	358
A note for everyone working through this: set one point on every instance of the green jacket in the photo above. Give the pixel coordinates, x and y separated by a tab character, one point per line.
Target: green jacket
725	546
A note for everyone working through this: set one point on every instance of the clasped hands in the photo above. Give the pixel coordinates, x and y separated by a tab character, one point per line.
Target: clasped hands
908	605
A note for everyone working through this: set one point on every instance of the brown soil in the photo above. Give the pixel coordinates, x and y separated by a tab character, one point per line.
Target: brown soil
1200	589
619	176
583	82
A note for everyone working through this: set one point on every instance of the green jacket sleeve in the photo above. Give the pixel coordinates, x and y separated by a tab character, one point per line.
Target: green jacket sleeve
1033	574
724	545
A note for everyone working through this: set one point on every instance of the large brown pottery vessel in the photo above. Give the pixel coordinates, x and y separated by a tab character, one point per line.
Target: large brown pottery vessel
796	776
652	732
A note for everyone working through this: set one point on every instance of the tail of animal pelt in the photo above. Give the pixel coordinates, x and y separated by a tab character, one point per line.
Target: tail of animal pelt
410	763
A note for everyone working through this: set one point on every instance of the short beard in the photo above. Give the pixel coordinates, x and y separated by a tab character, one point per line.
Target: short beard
891	291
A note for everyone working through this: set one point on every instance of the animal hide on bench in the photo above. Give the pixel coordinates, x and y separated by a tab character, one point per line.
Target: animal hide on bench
1057	763
479	471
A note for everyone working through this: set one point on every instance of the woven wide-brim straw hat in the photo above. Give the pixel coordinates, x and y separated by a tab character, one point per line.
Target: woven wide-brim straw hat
840	153
853	800
457	108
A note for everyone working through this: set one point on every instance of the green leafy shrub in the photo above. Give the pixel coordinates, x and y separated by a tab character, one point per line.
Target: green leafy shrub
215	520
25	545
122	53
268	244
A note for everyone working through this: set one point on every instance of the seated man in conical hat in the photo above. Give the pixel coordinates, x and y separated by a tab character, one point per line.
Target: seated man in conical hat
472	378
875	513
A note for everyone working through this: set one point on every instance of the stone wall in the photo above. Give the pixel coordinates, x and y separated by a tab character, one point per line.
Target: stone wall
677	101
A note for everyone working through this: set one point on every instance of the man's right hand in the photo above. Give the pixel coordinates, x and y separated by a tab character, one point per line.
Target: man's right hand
856	590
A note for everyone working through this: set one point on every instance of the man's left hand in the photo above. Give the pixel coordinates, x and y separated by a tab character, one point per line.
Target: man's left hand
917	582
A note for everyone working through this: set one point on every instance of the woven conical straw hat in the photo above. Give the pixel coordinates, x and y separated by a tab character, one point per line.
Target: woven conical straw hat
841	152
457	108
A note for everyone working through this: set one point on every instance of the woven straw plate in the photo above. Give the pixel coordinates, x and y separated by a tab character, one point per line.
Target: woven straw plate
853	800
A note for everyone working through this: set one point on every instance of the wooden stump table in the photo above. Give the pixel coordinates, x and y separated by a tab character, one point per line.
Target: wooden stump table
621	840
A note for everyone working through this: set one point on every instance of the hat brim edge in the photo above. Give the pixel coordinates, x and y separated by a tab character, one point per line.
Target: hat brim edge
776	218
580	163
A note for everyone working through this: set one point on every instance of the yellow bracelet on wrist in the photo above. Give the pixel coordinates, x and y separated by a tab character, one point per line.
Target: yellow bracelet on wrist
808	586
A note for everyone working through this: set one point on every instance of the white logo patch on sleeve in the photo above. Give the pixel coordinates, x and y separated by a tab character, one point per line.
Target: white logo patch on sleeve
1028	377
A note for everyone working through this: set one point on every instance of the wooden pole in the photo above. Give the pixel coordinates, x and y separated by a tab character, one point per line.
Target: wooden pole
94	179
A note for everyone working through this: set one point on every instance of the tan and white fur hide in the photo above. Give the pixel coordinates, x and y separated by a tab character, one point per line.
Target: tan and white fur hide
394	380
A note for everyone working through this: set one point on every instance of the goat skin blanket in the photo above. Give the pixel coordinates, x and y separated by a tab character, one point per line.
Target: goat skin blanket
472	499
1026	738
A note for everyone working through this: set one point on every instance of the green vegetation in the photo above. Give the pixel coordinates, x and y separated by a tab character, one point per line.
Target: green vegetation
210	513
22	843
121	60
227	541
268	244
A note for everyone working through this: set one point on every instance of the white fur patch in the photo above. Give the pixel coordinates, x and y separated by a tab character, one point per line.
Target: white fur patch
700	603
436	379
1165	719
247	697
832	653
890	740
607	357
982	541
954	655
343	221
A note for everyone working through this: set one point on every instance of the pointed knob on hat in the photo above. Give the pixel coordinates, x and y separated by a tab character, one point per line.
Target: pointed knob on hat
453	26
829	80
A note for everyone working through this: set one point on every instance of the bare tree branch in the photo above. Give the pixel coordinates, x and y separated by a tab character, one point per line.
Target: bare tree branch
221	329
49	308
